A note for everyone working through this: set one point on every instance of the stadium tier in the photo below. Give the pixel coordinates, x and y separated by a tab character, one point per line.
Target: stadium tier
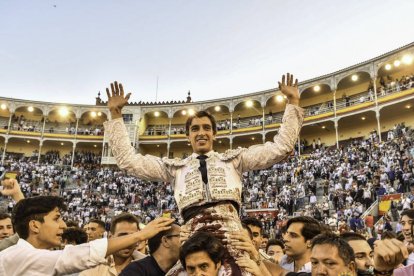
372	96
351	174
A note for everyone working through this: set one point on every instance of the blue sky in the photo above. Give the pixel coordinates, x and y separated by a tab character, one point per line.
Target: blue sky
214	48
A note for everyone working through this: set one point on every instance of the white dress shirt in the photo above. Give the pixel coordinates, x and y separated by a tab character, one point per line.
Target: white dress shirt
24	259
290	266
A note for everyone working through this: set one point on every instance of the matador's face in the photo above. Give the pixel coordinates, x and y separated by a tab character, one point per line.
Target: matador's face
201	135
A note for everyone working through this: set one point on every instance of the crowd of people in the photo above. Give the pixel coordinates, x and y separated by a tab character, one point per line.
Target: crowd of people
342	183
333	187
307	246
387	85
155	216
54	157
86	130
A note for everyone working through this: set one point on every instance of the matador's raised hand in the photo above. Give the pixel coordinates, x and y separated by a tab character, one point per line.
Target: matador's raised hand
116	99
290	89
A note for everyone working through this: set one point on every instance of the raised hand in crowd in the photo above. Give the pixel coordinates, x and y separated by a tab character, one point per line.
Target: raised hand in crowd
243	242
149	231
12	188
251	266
155	226
290	89
254	264
184	234
389	254
116	99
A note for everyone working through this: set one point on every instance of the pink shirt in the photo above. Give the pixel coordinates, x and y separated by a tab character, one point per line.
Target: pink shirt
404	271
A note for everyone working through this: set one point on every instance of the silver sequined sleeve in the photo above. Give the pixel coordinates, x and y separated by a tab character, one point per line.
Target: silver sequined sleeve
146	167
265	155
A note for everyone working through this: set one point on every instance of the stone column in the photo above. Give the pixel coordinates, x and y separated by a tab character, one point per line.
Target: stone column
4	150
40	150
377	110
73	154
336	133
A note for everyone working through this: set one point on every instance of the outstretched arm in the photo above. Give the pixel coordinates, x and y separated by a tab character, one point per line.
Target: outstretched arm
265	155
145	167
152	229
12	188
290	89
116	99
388	254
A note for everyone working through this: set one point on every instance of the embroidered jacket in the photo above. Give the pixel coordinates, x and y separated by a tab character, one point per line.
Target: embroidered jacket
224	170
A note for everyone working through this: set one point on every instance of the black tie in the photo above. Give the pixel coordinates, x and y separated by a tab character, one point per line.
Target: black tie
203	167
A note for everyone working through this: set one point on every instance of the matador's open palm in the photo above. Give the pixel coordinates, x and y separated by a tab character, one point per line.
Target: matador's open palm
116	99
290	89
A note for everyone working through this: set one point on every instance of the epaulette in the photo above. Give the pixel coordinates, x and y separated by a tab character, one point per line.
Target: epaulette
231	154
176	162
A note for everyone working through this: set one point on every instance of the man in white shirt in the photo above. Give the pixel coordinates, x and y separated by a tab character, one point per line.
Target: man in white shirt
300	231
39	224
312	199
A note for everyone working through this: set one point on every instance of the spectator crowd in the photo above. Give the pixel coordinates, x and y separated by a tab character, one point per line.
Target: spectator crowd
320	198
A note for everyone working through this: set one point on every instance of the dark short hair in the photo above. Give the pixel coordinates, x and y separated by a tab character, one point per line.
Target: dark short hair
409	213
244	226
200	114
345	251
99	222
155	242
71	223
4	216
272	242
253	221
34	208
387	235
352	236
311	227
400	236
203	242
74	235
121	218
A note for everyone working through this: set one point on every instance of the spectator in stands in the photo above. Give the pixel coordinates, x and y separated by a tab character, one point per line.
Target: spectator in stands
95	229
298	238
6	227
39	224
164	253
123	224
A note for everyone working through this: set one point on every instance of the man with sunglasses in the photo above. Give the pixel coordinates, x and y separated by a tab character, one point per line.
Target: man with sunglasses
164	253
